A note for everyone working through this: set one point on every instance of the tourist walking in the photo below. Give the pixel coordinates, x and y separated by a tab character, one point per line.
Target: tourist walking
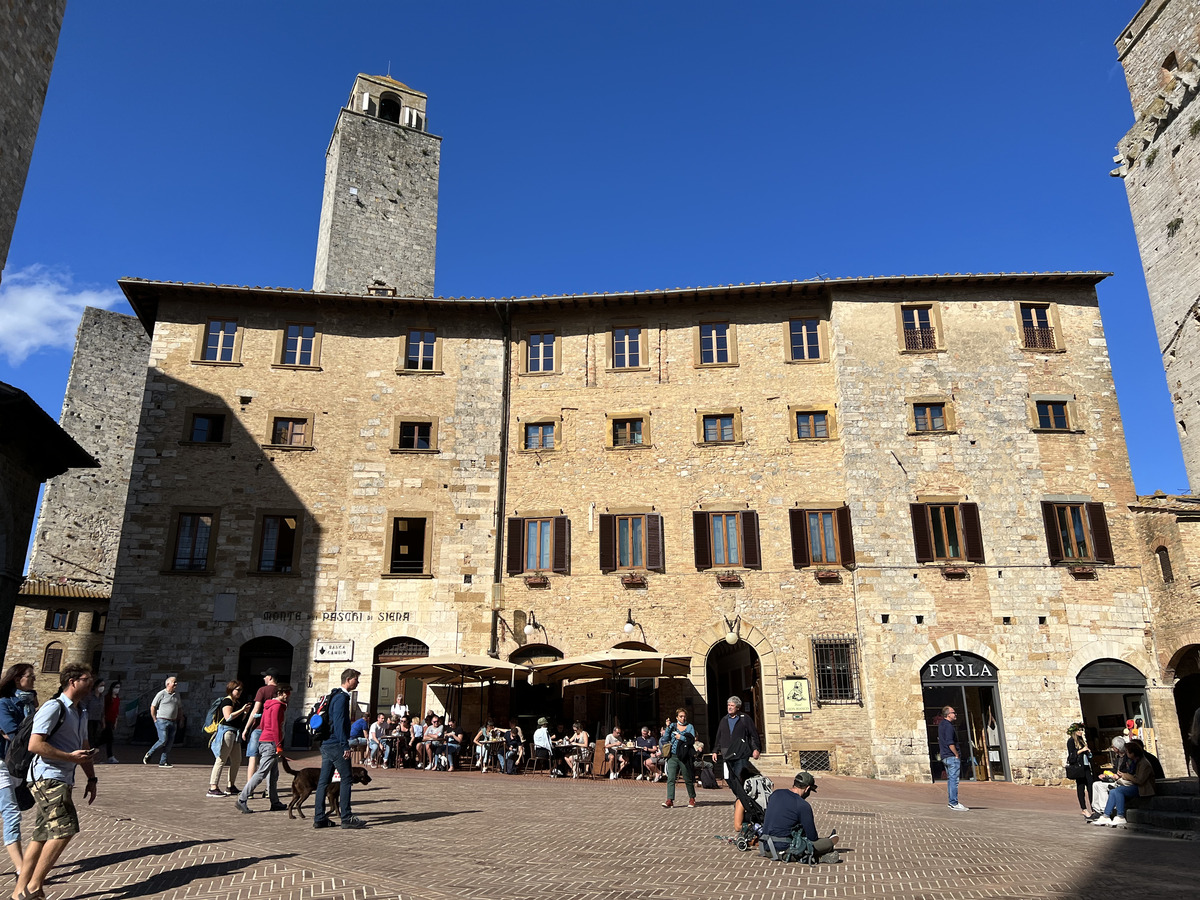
737	741
335	755
252	730
677	745
59	740
112	711
167	711
270	747
17	701
948	748
1079	763
226	743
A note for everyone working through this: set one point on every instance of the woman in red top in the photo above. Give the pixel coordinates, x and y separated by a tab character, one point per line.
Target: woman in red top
112	710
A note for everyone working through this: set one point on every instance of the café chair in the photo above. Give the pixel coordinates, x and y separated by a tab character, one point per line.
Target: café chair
533	761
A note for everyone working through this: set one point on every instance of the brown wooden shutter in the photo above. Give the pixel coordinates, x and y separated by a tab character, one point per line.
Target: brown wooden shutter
562	545
608	543
798	520
972	533
751	550
922	540
73	615
701	526
655	543
1102	550
845	537
516	549
1053	539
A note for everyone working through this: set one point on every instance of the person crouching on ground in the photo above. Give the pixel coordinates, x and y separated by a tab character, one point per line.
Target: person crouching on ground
270	747
788	809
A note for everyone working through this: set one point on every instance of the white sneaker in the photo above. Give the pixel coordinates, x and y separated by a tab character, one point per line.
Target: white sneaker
612	776
958	807
639	778
1103	820
429	767
1118	822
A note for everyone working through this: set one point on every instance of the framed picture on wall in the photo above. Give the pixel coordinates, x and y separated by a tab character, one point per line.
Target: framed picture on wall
795	695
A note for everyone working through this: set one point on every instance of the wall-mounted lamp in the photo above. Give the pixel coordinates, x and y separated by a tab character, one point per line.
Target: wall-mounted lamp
731	636
629	623
531	624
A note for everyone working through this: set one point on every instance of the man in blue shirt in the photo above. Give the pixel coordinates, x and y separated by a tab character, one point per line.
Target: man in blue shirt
787	809
335	754
948	751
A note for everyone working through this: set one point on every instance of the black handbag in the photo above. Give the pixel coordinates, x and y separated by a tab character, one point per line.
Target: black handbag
1079	772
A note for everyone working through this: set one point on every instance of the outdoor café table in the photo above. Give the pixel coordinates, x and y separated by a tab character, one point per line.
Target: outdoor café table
493	752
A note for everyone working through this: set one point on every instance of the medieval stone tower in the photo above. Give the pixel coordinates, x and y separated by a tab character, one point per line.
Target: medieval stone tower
378	228
1160	163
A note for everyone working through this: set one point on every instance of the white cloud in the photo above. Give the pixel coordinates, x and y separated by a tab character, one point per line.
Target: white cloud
40	308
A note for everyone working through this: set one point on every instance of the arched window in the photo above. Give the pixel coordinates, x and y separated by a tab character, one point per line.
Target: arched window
1164	565
52	660
389	107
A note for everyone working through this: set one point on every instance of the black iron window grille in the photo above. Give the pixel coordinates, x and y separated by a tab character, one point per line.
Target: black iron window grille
835	662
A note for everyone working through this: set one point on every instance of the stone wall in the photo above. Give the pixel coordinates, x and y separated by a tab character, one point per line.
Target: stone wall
79	528
1160	164
379	209
28	41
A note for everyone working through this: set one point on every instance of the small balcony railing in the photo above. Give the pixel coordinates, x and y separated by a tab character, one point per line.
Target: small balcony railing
1039	338
920	339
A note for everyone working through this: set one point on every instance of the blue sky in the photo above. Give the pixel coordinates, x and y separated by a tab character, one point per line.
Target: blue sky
593	147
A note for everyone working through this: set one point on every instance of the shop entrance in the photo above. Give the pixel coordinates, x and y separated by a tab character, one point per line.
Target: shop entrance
734	670
387	687
1111	693
971	685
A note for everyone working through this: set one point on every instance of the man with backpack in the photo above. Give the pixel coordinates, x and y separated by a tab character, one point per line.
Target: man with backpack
335	754
737	742
789	824
59	742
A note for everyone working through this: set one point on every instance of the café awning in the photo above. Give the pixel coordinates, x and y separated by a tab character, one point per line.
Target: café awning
452	668
613	664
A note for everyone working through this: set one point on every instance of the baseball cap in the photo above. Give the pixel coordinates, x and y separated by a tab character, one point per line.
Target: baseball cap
272	671
543	721
804	780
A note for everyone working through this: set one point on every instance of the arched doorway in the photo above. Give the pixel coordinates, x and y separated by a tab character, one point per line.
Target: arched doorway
259	654
734	669
529	702
1111	693
1187	691
387	686
971	685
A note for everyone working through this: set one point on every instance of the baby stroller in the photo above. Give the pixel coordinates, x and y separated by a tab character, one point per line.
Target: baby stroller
758	788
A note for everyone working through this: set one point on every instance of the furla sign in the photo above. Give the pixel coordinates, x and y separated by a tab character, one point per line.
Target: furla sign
960	668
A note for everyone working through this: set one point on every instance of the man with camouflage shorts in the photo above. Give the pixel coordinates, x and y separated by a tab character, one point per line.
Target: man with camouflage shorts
59	749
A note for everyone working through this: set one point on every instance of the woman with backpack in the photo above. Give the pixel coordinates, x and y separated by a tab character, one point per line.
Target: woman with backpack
17	701
230	718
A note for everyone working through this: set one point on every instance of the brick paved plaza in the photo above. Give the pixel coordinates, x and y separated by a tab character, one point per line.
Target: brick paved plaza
153	834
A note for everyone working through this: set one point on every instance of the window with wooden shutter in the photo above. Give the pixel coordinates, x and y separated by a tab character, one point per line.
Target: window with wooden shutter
562	545
922	541
515	553
947	532
608	543
1102	550
1077	532
972	532
1054	546
798	520
751	550
702	537
655	543
821	537
845	537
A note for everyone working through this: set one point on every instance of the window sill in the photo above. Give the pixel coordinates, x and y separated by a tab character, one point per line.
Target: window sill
185	572
904	351
1057	430
805	362
215	362
432	451
420	372
618	371
204	443
1044	349
715	365
402	575
812	440
628	446
932	433
259	574
296	368
539	374
716	444
539	449
288	447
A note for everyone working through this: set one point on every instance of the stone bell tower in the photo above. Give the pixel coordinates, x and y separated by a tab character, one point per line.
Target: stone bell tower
378	231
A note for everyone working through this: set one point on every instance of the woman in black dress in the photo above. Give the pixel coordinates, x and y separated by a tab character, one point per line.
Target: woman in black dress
1080	757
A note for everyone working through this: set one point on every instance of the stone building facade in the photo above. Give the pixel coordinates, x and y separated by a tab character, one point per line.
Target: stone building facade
1159	160
28	41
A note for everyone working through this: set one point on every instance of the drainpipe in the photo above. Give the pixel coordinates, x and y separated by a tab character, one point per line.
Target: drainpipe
504	314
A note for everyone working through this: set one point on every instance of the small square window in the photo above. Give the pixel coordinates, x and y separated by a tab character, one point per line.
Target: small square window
805	339
627	348
277	543
627	432
416	436
59	620
929	416
290	431
1052	415
835	663
207	428
718	429
220	338
811	425
540	352
714	344
419	351
299	345
539	436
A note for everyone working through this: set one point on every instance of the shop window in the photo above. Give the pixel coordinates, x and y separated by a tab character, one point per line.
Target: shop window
539	544
835	666
1077	532
947	532
631	542
821	537
726	539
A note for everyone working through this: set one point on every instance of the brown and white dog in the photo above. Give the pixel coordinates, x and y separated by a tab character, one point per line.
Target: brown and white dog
305	781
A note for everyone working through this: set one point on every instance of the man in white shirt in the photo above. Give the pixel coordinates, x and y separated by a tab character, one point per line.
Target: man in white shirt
60	741
617	760
543	746
399	708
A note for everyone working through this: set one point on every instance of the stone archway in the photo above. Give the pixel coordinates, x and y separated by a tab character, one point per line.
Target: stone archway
709	636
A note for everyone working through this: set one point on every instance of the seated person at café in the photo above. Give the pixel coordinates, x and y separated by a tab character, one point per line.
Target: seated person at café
404	739
482	749
512	723
377	748
615	754
358	731
581	758
514	749
543	746
431	744
789	809
454	737
646	751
